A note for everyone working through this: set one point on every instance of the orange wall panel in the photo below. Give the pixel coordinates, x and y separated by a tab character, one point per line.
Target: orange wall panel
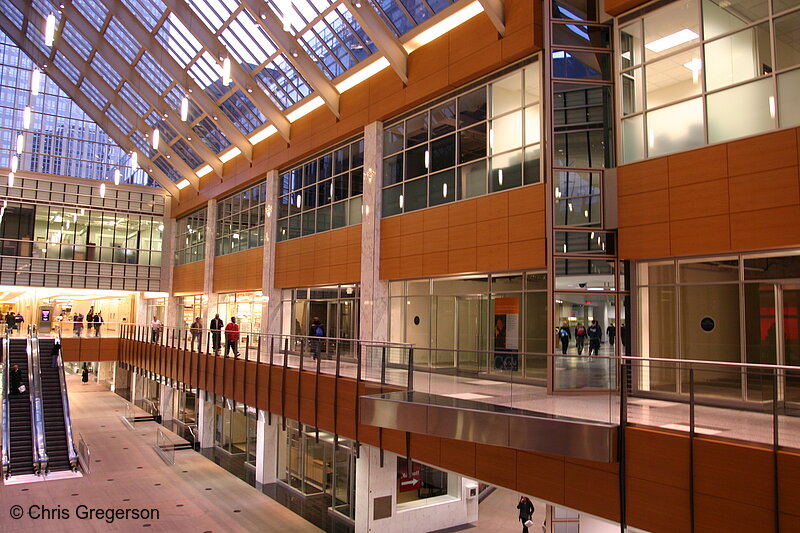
617	7
492	233
323	258
241	271
732	197
189	278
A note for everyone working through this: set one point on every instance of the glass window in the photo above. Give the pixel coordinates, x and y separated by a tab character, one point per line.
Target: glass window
675	128
787	40
630	41
506	94
723	16
755	105
669	29
241	215
789	98
738	57
633	133
675	78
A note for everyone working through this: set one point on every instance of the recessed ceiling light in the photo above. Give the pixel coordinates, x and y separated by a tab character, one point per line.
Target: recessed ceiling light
672	40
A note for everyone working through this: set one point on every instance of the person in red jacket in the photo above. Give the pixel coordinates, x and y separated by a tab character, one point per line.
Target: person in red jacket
232	337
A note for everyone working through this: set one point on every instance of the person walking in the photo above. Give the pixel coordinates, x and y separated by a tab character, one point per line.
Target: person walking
594	333
525	512
90	321
196	329
18	321
85	374
318	332
580	337
54	353
15	380
9	321
232	337
564	336
98	321
216	333
611	331
77	319
156	327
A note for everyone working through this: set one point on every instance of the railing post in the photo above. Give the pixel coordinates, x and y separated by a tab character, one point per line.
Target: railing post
383	366
775	448
623	421
691	446
411	368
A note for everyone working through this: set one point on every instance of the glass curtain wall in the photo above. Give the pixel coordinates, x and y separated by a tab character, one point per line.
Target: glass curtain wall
190	237
240	220
684	66
192	307
235	429
323	193
736	309
474	324
484	140
336	307
318	464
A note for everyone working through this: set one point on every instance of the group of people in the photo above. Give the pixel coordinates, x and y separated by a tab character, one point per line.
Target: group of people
594	333
93	323
196	329
14	321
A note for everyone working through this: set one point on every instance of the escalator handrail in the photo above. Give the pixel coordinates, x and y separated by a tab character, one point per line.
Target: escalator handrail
37	405
4	386
62	382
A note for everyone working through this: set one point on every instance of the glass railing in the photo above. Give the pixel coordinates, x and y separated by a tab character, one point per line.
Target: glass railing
40	458
165	447
84	455
71	453
4	391
69	328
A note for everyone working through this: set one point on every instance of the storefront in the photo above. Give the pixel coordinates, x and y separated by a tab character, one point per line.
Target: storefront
474	324
245	306
336	307
235	427
191	307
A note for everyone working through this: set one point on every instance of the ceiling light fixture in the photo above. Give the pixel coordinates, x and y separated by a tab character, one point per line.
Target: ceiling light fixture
10	179
226	71
672	40
695	65
14	163
50	29
20	143
156	138
26	117
36	76
134	161
116	176
185	108
102	190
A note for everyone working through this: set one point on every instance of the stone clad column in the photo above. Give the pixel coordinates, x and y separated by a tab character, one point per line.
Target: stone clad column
171	315
266	450
271	312
373	320
208	267
205	419
166	399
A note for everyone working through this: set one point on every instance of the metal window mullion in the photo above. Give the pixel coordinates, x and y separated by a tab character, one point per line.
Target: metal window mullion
328	48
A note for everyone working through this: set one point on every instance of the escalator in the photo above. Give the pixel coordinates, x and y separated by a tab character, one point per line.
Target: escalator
21	459
60	453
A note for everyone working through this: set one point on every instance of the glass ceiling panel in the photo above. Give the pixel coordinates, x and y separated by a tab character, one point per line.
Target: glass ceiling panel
282	82
69	70
76	40
44	7
93	94
142	144
304	12
122	40
154	120
132	98
242	112
36	38
174	97
102	67
93	11
211	135
147	11
178	41
248	41
151	71
337	43
12	13
186	153
208	75
213	13
404	15
119	119
162	163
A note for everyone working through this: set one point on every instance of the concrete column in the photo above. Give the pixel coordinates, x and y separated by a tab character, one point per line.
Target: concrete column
271	313
105	373
171	317
165	408
266	450
459	506
373	319
208	273
205	419
137	387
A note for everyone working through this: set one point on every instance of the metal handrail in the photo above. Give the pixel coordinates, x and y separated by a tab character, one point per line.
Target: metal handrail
4	388
40	458
71	453
711	363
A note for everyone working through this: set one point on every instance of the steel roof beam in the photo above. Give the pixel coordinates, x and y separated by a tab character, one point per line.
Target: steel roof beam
116	100
179	74
132	76
211	42
41	59
303	62
495	10
386	42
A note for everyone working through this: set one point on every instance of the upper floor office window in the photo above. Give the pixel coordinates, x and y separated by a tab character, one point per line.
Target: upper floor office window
190	237
485	139
683	68
322	193
240	220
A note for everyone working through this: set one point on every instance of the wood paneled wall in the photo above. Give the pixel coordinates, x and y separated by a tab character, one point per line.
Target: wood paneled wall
320	259
738	196
733	483
497	232
189	278
466	53
90	349
241	271
618	7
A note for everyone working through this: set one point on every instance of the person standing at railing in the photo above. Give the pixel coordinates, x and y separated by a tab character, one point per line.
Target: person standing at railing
318	332
156	327
232	337
77	319
216	333
196	329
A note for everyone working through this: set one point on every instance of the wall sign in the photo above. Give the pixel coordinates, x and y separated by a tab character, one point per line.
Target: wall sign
506	334
707	324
